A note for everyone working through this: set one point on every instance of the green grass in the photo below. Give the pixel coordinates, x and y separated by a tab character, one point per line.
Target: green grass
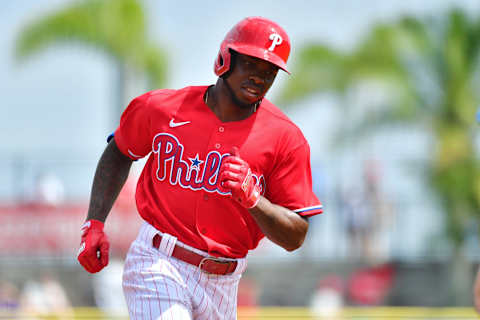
376	313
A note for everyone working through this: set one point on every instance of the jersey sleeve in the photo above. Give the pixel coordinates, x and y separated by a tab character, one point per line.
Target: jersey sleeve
290	183
133	135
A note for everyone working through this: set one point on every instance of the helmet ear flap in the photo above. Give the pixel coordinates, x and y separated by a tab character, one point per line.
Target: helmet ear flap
231	65
222	63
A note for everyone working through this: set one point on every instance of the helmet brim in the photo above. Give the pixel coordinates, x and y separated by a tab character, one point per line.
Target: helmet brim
261	53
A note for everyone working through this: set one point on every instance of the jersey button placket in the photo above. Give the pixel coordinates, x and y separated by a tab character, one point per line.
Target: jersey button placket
221	129
205	203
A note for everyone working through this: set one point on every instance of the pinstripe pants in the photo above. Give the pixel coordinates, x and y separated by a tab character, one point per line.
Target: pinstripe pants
158	286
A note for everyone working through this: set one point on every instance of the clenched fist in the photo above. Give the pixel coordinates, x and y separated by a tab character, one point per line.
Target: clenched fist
236	176
94	246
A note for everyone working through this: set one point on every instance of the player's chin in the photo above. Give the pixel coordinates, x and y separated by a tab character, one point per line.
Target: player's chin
252	102
251	97
246	104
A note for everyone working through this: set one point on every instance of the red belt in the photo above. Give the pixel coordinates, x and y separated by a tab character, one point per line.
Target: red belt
208	264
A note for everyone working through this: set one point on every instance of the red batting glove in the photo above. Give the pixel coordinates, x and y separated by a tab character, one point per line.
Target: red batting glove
236	176
93	252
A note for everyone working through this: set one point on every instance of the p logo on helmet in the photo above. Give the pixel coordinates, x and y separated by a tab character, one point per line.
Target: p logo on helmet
276	40
256	37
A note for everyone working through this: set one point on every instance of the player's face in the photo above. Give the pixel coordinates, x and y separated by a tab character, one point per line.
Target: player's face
250	79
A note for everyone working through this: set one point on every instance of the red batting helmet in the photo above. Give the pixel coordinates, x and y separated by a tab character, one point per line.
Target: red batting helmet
257	37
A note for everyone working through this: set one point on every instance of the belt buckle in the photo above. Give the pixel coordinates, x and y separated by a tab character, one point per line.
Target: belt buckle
218	260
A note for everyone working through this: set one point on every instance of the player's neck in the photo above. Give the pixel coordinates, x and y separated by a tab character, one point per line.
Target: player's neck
219	99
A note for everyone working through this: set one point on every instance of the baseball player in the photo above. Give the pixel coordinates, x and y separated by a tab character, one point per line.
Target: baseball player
225	168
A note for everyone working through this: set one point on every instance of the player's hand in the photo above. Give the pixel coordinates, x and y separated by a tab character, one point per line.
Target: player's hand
236	176
93	252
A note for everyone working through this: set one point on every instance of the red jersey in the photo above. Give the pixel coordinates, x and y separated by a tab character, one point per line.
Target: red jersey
178	192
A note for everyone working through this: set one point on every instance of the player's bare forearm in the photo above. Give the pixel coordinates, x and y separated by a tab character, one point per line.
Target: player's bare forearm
110	176
282	226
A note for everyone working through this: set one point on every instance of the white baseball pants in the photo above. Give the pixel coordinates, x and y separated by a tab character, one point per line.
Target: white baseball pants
158	286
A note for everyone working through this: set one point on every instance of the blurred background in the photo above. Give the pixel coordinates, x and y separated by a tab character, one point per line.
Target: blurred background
386	95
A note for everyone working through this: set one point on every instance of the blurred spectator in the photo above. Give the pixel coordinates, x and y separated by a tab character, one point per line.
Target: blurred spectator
328	299
45	297
247	298
367	215
358	222
476	292
247	293
9	297
371	286
49	190
382	212
108	291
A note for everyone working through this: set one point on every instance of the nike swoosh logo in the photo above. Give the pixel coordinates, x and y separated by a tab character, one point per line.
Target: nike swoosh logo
174	124
133	154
